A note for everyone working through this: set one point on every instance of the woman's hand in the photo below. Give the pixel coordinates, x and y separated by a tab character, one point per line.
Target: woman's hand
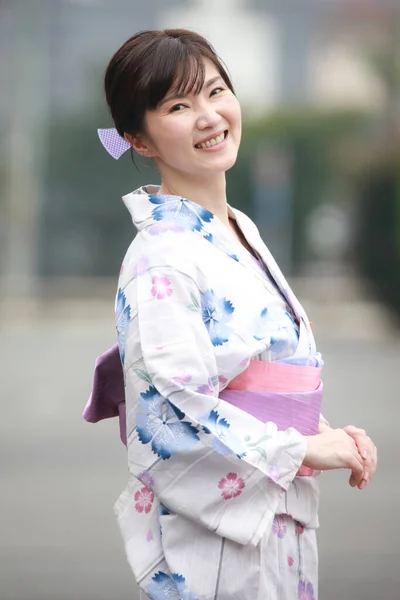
334	449
367	451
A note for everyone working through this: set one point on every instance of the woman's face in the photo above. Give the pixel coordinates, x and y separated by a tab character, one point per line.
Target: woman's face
196	134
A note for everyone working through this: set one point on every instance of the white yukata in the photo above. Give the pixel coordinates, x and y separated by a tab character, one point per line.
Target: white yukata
213	509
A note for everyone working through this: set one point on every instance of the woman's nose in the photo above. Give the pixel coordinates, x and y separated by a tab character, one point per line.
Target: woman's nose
208	119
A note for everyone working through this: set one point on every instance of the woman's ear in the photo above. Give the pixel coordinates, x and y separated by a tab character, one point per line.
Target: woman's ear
139	145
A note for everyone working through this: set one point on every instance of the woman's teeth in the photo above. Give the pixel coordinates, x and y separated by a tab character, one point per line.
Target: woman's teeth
212	142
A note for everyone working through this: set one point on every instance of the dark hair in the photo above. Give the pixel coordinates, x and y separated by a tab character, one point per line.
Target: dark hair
150	64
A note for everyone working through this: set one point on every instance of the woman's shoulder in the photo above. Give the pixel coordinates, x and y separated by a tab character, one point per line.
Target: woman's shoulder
178	253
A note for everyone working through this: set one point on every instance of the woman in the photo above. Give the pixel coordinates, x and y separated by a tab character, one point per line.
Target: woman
222	498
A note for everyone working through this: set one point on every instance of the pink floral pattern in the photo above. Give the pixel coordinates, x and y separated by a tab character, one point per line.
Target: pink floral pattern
299	528
140	267
279	527
182	380
149	536
274	473
144	500
231	486
290	561
161	287
222	381
207	389
146	479
305	591
160	227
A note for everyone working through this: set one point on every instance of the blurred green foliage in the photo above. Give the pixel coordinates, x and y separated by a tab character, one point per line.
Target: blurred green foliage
85	228
316	142
378	240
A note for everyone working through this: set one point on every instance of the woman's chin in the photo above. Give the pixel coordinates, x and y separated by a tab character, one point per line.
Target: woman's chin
220	164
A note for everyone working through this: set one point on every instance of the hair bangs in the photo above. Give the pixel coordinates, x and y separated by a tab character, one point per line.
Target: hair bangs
179	69
190	75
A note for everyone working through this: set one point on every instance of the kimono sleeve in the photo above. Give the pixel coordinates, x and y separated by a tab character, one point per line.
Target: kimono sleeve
207	460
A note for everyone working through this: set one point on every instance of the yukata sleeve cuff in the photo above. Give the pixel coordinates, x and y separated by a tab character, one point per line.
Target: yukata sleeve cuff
289	460
323	420
250	517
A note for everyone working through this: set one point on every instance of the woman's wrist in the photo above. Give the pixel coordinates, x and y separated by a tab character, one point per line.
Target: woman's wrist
323	426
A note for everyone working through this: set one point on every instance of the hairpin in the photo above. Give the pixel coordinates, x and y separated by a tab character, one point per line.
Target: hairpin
113	142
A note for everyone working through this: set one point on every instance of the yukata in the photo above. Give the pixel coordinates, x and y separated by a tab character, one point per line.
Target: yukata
213	509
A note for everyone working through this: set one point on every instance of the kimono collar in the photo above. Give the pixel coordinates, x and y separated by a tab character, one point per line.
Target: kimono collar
160	212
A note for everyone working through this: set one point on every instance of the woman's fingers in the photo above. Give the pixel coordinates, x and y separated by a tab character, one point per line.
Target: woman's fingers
357	469
364	446
360	438
368	452
351	430
370	463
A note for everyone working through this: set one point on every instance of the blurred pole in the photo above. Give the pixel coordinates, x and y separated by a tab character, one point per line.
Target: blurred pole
299	29
394	101
273	202
25	143
299	22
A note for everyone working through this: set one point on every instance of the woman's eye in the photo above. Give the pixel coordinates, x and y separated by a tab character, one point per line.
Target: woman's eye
177	107
216	90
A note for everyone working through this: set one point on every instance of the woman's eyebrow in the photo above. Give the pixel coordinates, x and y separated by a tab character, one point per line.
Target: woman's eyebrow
211	81
181	95
174	96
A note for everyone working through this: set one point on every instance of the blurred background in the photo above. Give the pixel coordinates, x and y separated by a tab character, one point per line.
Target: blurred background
319	172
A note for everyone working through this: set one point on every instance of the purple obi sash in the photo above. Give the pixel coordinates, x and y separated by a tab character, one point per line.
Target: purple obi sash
288	395
300	410
108	392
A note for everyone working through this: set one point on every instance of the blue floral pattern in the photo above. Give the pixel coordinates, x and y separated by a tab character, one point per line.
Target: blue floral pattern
279	331
224	442
161	423
163	510
184	592
179	211
219	244
216	313
169	587
262	325
123	316
281	341
285	337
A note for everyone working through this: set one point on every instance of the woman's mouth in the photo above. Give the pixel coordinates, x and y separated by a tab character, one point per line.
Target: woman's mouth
212	142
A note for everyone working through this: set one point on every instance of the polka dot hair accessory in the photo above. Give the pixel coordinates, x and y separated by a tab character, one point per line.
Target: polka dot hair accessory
113	142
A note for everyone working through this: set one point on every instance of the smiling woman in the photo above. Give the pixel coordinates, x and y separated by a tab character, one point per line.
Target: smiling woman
217	383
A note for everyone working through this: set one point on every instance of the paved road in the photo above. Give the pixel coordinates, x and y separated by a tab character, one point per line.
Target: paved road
60	476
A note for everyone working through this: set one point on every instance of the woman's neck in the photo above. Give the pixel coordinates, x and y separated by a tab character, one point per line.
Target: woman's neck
211	194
